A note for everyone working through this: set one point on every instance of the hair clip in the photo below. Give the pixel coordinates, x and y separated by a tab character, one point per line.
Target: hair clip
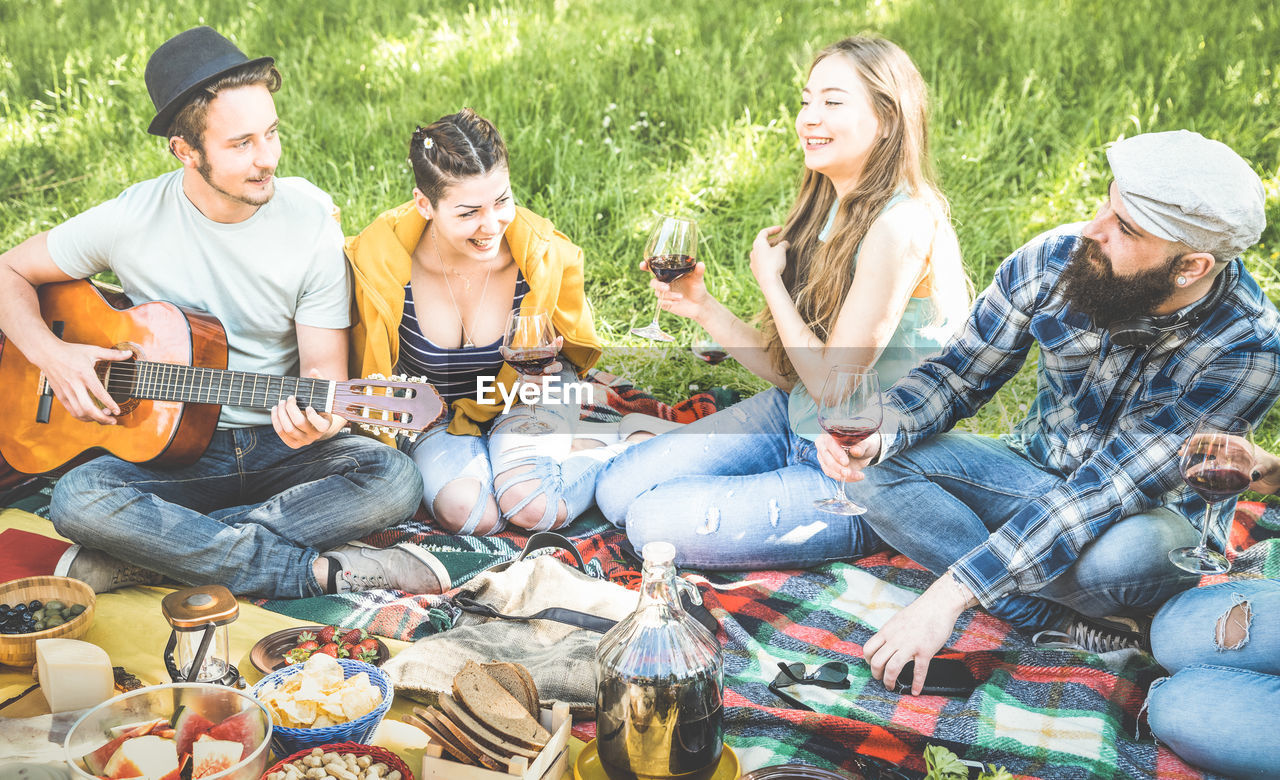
427	142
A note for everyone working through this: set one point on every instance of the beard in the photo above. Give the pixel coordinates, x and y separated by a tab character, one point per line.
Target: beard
206	172
1091	286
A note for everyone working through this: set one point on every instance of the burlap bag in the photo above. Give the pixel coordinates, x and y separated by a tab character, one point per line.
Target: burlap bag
560	657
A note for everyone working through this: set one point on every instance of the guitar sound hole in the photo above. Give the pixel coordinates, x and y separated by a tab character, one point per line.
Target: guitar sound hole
117	377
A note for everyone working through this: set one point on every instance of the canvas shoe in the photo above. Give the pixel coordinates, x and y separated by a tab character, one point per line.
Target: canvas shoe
406	566
1096	635
101	571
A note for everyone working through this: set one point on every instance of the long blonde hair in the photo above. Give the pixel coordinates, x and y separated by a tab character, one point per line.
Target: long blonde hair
817	272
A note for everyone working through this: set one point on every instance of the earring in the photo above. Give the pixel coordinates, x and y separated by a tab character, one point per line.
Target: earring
1182	281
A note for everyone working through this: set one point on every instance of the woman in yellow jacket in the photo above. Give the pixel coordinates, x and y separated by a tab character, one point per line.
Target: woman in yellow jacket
435	281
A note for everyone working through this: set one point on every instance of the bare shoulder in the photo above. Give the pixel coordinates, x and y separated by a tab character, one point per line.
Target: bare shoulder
905	228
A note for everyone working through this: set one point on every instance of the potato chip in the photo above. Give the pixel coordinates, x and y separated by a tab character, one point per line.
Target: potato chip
317	696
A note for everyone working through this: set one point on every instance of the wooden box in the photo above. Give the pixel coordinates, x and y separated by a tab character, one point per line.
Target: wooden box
549	764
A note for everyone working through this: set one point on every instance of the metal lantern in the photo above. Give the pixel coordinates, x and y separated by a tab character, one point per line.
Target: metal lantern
199	648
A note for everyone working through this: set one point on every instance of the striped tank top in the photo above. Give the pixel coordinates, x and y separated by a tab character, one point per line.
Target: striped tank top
452	372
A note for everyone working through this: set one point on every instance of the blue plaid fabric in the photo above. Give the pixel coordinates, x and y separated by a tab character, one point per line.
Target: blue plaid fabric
1108	420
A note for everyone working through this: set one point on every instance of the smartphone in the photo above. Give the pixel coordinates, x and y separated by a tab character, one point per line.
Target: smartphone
946	677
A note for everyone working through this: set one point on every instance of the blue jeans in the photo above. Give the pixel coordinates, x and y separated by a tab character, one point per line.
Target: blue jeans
734	490
938	500
1221	708
559	474
251	513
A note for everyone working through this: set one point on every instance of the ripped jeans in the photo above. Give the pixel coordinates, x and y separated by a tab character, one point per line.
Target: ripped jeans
565	480
1220	709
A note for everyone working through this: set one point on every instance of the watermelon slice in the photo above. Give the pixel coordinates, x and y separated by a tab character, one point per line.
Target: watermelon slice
148	756
188	725
138	729
210	756
97	760
244	727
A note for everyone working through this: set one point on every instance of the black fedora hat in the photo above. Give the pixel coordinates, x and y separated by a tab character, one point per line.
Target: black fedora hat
185	63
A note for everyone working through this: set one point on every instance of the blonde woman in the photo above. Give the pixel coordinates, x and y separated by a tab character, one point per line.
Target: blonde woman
866	270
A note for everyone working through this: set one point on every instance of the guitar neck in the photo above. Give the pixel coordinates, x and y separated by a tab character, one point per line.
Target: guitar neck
192	384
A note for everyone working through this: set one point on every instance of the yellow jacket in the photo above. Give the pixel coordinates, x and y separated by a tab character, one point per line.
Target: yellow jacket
380	262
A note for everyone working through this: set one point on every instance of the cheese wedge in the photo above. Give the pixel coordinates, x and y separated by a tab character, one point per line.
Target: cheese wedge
73	674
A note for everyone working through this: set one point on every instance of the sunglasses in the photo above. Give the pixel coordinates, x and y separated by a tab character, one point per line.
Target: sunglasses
833	675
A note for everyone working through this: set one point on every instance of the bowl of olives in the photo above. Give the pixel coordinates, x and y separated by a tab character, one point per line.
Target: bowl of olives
36	608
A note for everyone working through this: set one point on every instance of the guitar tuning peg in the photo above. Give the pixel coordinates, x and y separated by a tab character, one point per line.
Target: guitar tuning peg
412	437
397	377
417	379
375	376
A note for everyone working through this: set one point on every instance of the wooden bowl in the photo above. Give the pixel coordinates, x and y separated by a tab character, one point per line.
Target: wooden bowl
20	649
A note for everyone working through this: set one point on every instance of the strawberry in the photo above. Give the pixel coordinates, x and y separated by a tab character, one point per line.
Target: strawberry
326	635
368	656
369	644
310	644
297	655
306	636
354	636
349	650
329	648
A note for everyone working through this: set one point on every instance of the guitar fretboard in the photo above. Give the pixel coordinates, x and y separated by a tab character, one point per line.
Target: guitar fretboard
191	384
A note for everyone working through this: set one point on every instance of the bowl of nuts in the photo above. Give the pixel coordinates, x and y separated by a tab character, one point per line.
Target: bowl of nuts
35	608
341	761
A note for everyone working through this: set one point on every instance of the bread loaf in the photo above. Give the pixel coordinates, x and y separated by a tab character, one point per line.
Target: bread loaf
489	703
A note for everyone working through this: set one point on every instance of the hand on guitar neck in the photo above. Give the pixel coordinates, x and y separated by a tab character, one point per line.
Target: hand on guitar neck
298	427
73	374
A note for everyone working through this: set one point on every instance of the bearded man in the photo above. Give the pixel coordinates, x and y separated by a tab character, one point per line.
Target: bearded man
269	506
1146	321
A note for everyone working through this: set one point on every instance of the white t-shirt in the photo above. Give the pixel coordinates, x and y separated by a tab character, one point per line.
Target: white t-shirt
280	268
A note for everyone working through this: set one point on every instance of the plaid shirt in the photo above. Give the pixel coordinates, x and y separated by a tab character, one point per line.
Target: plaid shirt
1108	420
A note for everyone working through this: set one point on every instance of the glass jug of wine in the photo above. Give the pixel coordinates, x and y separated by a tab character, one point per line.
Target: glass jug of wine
660	684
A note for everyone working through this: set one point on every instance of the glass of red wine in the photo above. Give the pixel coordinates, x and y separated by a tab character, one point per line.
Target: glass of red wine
529	346
709	351
670	253
1217	463
850	410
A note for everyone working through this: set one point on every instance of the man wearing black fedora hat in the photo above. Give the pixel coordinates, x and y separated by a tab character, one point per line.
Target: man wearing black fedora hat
269	507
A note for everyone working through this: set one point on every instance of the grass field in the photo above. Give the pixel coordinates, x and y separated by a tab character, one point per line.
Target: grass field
615	110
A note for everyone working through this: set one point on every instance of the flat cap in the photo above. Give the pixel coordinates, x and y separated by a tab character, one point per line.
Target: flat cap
1182	186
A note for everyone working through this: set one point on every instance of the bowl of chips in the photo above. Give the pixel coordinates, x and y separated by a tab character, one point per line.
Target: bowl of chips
324	700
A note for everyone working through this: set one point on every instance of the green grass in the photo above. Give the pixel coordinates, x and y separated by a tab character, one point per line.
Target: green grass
615	111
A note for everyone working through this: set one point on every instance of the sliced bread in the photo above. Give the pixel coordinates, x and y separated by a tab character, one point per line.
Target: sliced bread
481	733
449	745
489	703
472	745
517	681
445	730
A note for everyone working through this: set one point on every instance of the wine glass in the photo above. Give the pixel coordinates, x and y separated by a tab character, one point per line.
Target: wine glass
1217	463
529	346
709	351
851	409
671	252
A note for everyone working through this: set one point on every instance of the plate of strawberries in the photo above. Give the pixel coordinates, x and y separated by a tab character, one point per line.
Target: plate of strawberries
295	645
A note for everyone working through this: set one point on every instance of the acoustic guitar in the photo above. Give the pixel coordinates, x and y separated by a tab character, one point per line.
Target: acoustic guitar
171	391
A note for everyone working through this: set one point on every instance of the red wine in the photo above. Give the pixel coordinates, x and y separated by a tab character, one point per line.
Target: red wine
668	268
1216	483
712	355
531	361
848	435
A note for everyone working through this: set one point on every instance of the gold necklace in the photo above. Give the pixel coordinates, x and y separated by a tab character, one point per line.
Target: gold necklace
467	342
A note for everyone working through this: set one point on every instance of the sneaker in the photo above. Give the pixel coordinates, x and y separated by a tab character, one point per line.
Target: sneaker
101	571
406	566
1096	635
